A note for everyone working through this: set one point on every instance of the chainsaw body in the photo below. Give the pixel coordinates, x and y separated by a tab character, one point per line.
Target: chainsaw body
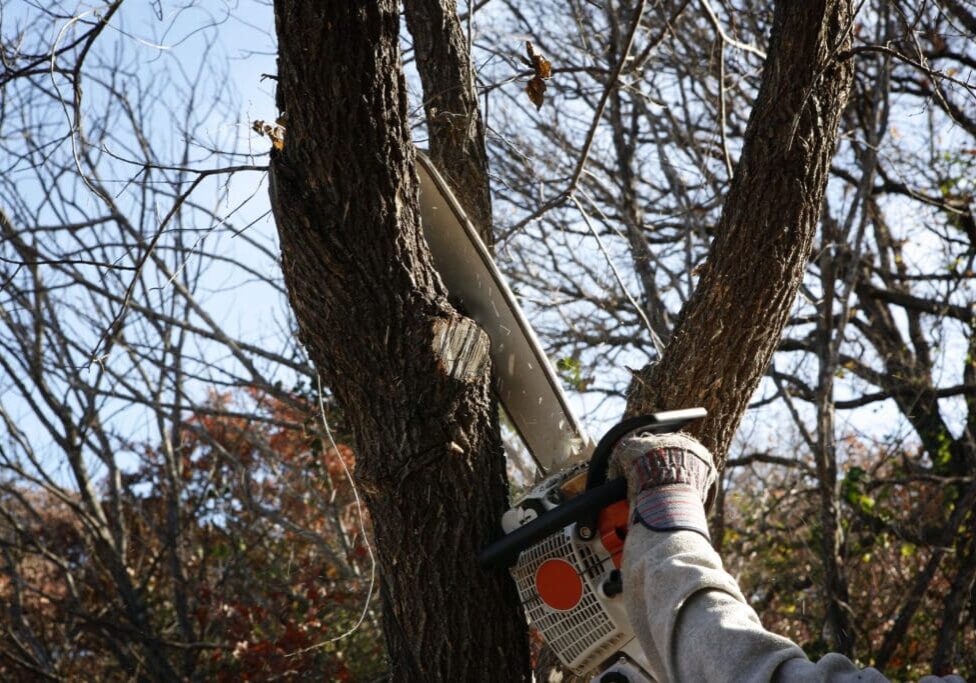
571	589
563	545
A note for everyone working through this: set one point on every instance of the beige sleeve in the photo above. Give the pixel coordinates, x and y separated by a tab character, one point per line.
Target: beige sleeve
695	626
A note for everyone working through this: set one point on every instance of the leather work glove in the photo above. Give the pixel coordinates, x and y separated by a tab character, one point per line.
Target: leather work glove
670	480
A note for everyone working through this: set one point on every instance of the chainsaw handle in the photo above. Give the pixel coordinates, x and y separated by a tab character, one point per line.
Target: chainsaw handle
584	509
503	552
596	475
667	421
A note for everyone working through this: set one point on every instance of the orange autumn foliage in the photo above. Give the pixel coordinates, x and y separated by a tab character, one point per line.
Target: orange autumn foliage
271	562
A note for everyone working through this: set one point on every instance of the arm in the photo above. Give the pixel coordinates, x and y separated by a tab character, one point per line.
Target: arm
695	625
687	612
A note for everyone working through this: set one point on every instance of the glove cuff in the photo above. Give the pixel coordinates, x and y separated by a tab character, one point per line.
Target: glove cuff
671	507
670	480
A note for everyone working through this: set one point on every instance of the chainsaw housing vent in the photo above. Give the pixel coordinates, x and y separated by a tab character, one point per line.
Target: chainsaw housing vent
585	635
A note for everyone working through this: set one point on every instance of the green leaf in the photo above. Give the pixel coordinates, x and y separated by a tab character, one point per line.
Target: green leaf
571	371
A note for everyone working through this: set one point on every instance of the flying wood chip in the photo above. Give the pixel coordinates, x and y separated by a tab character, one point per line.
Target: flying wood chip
536	87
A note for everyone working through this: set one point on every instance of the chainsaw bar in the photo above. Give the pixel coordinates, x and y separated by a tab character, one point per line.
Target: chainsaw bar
526	384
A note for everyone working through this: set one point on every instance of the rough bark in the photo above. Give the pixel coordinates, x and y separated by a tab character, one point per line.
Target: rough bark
411	374
456	133
727	332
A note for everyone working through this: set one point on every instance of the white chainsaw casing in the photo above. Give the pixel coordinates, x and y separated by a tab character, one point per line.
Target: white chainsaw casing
625	668
595	633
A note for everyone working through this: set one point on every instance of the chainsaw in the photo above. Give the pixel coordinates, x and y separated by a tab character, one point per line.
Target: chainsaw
563	540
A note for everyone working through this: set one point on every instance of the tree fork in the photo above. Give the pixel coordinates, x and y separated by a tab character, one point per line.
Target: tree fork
411	374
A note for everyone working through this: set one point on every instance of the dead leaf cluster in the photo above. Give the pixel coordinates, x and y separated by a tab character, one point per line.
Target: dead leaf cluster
542	69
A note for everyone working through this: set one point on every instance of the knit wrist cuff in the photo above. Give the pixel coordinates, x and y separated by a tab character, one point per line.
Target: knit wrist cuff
671	507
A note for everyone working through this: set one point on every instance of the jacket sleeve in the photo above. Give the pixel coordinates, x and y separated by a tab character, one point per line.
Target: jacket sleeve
695	625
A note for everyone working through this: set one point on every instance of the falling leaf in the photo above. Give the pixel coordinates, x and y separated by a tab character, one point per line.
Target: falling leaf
542	69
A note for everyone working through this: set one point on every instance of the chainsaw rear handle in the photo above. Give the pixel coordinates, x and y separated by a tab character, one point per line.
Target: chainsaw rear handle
657	423
584	509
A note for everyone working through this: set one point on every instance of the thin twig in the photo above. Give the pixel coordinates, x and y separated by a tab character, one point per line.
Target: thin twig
568	193
111	329
721	112
655	339
726	38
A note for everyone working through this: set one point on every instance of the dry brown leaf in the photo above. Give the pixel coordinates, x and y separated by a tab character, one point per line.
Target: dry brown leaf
541	65
536	87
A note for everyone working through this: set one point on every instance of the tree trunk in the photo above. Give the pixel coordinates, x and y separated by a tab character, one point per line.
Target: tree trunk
411	374
838	611
455	131
728	330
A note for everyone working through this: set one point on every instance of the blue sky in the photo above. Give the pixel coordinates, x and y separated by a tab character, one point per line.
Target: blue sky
231	44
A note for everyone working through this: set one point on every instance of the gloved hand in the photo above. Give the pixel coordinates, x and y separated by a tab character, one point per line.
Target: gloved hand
670	480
